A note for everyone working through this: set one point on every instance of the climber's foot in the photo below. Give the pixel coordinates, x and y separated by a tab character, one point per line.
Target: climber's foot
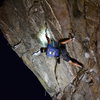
81	66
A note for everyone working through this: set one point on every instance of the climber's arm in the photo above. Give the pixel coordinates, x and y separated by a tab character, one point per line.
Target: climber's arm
66	40
47	38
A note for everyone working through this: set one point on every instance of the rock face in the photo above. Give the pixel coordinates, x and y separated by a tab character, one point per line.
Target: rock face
24	24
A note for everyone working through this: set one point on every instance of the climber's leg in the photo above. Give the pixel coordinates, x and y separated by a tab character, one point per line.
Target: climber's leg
76	63
72	61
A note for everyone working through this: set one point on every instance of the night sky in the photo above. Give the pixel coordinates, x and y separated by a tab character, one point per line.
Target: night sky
17	82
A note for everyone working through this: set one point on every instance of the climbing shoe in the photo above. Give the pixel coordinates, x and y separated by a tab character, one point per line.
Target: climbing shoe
36	53
81	66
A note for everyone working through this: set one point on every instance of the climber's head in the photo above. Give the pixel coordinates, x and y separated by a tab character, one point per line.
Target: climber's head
43	49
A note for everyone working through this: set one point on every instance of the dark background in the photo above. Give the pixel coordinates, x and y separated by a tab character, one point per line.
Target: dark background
17	82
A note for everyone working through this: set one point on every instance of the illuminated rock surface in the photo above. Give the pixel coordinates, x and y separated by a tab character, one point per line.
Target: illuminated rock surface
24	23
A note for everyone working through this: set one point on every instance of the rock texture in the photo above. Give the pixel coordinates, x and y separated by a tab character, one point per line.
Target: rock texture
24	24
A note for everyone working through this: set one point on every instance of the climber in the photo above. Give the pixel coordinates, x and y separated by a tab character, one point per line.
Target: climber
57	50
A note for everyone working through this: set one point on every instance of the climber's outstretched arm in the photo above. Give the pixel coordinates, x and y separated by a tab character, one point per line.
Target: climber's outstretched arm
65	40
47	38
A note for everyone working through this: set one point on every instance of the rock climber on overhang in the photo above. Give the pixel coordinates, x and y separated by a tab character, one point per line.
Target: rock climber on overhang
57	50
